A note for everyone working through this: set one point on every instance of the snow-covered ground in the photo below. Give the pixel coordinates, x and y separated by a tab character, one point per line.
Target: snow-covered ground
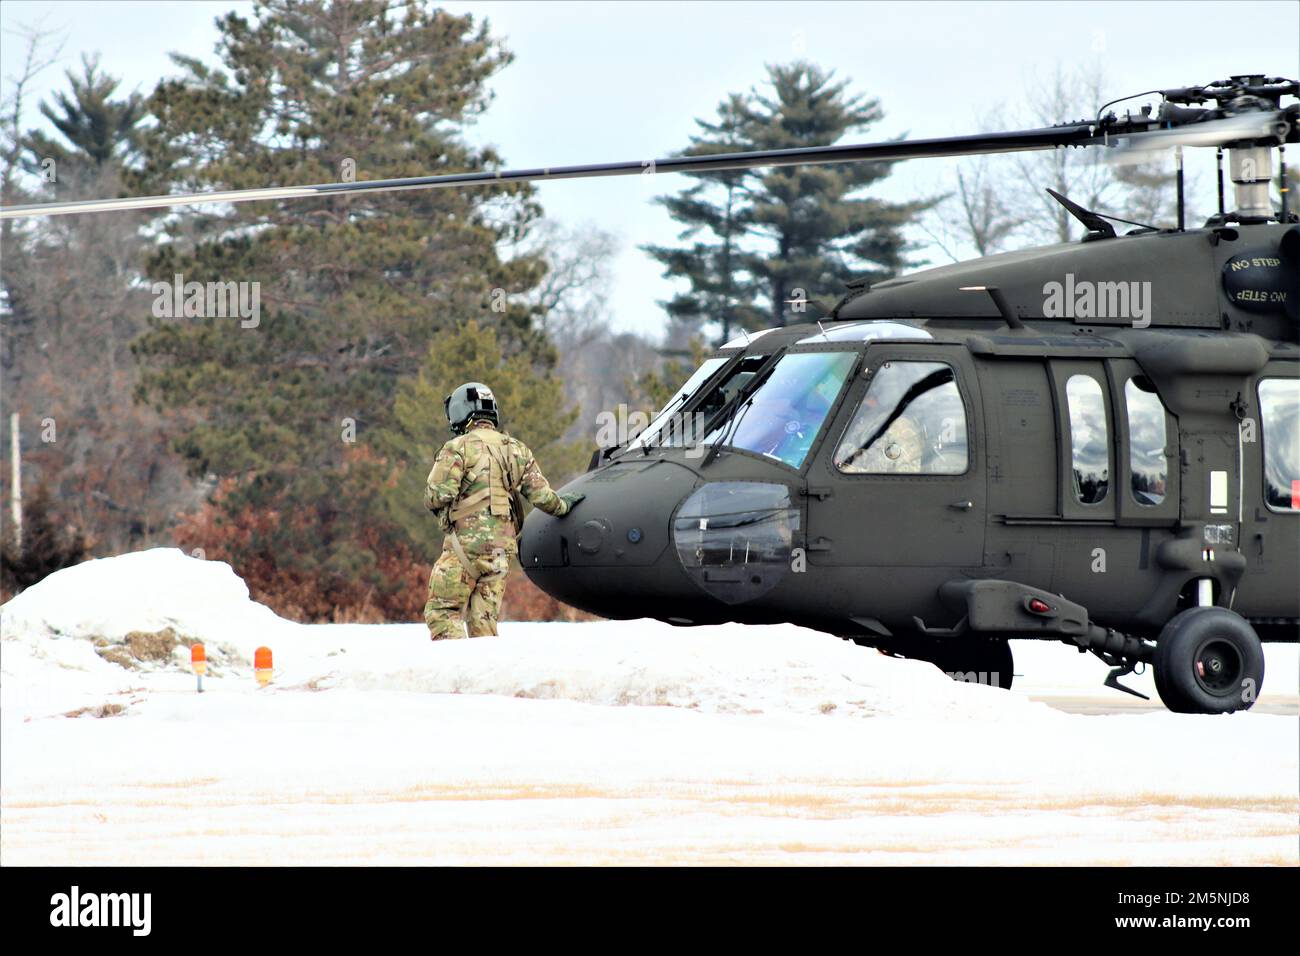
629	742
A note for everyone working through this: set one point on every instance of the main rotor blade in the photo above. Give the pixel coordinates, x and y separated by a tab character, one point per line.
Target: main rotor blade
1217	132
1017	141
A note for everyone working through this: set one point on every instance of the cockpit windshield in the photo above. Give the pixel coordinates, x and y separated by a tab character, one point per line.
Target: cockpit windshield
678	401
782	417
683	430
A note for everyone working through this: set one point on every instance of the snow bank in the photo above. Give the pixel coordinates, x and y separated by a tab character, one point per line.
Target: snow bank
142	591
52	635
725	669
49	664
629	742
49	628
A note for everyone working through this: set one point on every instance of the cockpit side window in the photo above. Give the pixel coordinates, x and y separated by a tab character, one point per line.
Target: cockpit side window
911	421
1279	412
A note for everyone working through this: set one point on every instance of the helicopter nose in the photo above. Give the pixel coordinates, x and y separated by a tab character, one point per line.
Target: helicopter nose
614	550
654	540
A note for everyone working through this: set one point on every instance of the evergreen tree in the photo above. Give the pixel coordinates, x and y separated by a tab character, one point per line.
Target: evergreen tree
820	230
101	132
716	205
353	290
779	238
49	543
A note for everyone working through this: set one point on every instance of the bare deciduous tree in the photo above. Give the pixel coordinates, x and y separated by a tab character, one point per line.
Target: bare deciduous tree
1001	201
597	363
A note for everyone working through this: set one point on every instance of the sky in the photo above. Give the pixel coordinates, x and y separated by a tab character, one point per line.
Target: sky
596	82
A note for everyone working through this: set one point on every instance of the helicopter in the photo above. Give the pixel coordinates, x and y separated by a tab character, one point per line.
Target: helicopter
1095	442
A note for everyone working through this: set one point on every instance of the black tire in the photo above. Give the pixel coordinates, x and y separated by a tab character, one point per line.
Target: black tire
975	660
1208	661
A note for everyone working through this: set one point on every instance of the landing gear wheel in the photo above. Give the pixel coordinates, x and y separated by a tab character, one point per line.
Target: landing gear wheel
975	660
1208	661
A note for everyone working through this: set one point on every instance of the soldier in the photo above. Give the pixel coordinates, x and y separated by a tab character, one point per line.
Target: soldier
899	449
475	490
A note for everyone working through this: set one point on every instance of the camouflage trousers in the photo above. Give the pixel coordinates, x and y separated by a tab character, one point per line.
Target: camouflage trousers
457	599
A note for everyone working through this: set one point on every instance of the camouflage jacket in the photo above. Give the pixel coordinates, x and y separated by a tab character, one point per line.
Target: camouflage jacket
898	451
478	478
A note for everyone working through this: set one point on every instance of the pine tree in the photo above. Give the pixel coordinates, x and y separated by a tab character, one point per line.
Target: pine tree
100	131
820	230
353	291
716	206
778	240
49	543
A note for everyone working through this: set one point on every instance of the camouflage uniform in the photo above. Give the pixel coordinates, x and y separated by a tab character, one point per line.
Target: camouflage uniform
898	451
474	488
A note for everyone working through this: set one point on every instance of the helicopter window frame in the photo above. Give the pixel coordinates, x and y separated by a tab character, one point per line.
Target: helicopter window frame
1129	511
870	373
766	360
1267	414
832	412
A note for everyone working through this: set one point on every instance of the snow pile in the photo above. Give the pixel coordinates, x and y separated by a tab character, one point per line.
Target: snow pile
732	668
142	591
64	641
628	742
49	629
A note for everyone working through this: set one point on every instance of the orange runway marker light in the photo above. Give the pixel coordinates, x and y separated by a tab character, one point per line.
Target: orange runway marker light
262	665
199	661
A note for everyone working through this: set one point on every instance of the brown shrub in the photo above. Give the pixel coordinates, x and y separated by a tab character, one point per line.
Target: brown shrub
525	601
392	590
152	646
395	591
119	655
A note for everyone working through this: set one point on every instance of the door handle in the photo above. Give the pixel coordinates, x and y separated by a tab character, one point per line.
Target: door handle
962	505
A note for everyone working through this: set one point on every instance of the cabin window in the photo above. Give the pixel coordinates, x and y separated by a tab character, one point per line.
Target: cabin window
911	421
1279	412
1148	466
1089	440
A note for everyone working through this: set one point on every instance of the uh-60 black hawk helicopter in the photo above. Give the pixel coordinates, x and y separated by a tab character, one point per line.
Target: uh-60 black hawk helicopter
1096	442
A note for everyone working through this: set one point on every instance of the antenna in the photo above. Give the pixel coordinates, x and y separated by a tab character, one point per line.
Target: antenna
1178	162
1282	184
1218	158
1004	307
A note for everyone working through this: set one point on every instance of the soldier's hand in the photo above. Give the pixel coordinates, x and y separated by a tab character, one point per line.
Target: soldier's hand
571	500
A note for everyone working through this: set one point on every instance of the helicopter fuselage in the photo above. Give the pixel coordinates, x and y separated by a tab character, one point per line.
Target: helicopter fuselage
1126	439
